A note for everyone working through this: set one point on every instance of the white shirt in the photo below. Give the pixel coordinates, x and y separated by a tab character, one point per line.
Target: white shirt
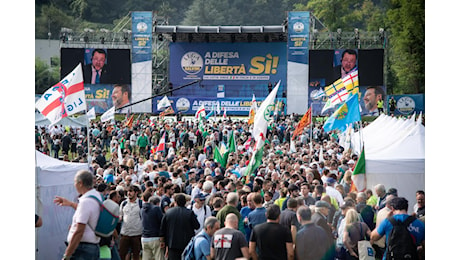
335	194
201	216
87	213
131	216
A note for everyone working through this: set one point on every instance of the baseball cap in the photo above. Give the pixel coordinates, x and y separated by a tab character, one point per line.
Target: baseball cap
200	196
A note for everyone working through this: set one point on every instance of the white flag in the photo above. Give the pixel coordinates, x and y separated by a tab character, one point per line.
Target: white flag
108	115
163	103
91	114
65	98
264	114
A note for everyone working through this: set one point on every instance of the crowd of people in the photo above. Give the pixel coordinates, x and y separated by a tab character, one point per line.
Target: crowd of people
300	203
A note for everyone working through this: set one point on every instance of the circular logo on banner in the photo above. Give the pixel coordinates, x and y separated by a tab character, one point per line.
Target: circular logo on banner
406	105
182	104
141	27
192	62
268	112
298	27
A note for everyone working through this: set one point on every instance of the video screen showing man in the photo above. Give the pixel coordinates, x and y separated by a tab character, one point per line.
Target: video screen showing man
373	95
121	96
348	62
96	72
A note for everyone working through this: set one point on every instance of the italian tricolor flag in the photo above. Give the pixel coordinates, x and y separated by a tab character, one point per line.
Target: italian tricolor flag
359	174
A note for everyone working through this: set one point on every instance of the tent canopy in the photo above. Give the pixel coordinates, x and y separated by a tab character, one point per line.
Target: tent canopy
54	178
41	120
395	155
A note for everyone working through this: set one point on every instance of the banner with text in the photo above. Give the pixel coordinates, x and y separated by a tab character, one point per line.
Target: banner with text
227	69
141	60
297	73
233	106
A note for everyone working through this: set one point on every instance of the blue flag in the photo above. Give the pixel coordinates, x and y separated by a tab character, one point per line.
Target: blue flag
346	114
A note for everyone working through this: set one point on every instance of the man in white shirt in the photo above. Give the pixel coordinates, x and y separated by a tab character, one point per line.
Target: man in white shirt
82	241
201	210
131	229
331	191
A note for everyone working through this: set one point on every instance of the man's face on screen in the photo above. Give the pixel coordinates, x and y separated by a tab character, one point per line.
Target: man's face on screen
98	60
348	62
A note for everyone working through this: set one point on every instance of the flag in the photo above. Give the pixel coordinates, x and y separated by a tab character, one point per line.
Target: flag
319	94
163	103
336	93
161	145
351	82
231	143
247	144
200	112
321	154
218	108
91	114
168	111
65	98
263	116
253	110
129	121
221	155
225	113
359	173
120	155
210	112
152	121
108	115
256	158
347	113
304	122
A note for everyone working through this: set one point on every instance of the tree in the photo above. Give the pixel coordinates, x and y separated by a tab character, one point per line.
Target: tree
45	76
406	23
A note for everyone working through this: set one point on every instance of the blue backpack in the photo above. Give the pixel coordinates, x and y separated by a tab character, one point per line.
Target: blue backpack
108	217
189	251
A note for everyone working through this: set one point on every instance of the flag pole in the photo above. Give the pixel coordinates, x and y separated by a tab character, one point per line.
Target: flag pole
88	138
311	133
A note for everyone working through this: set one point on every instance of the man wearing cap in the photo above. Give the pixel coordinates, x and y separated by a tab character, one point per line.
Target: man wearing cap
201	210
320	217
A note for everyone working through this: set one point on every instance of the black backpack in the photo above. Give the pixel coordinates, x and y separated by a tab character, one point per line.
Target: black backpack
401	243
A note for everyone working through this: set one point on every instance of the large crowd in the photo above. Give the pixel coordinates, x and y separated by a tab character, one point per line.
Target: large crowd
298	184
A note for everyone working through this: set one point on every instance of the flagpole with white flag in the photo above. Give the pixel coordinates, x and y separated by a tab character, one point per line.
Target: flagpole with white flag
261	119
65	98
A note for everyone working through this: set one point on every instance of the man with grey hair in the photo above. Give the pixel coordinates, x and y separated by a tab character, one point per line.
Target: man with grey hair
381	193
232	202
203	239
82	240
312	242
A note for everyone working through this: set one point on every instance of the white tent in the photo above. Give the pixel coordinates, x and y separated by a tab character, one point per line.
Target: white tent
81	121
395	155
53	178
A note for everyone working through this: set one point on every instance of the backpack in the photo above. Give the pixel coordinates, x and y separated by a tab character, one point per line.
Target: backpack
189	251
108	217
401	243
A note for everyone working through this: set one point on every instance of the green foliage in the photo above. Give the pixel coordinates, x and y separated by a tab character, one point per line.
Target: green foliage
45	76
403	21
406	22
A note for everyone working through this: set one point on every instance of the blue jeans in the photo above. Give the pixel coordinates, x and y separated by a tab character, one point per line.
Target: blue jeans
86	251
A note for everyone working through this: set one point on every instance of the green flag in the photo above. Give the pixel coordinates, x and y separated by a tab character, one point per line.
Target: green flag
231	143
221	155
359	173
